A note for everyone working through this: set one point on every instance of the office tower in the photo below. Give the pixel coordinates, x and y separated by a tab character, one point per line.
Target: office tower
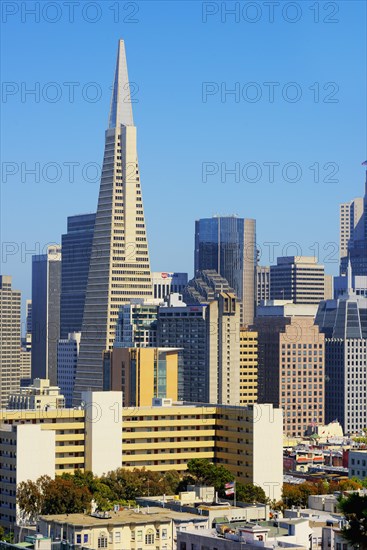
328	287
25	367
142	374
136	325
26	348
67	358
46	286
207	330
349	221
298	279
76	247
28	305
40	396
228	246
186	328
10	333
359	285
119	267
248	366
262	283
357	246
291	369
164	283
344	323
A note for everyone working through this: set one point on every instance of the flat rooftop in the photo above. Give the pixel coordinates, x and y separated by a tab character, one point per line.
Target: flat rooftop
145	515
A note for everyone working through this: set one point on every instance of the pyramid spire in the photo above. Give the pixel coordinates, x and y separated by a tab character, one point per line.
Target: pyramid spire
121	110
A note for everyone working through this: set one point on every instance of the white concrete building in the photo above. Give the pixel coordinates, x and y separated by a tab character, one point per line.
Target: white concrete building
357	463
26	453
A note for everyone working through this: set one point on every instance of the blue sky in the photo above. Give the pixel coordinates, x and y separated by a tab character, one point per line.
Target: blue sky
182	57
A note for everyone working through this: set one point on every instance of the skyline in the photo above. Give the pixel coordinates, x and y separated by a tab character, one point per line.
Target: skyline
76	130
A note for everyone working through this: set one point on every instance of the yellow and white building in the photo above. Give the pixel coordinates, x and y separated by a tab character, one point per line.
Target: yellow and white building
102	436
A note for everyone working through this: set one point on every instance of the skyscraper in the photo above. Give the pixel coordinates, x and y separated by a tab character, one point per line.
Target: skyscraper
46	286
76	247
119	267
299	279
262	283
357	246
350	216
344	323
291	364
10	369
228	245
207	329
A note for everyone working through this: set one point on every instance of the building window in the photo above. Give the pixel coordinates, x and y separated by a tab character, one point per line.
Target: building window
85	538
102	542
78	539
149	537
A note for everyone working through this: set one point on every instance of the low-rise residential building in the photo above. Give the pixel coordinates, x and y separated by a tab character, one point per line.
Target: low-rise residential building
293	534
357	463
145	528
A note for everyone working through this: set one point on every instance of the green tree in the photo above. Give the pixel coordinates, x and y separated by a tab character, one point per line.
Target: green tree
205	472
250	493
354	507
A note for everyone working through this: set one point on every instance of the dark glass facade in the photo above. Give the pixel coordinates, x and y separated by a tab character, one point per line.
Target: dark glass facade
76	252
219	245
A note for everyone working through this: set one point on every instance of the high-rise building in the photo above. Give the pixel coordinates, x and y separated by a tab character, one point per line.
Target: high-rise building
165	283
10	334
291	369
344	323
262	283
298	279
142	374
207	330
67	358
137	325
349	221
76	247
40	396
357	246
46	287
119	267
228	246
248	366
28	306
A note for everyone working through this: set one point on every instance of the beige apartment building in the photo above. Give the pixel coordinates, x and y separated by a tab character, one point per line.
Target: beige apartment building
248	365
292	369
136	529
104	436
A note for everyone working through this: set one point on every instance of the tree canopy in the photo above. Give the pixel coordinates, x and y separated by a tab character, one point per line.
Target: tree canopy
354	507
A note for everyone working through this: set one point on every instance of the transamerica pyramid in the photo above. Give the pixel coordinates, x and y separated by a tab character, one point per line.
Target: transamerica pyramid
119	268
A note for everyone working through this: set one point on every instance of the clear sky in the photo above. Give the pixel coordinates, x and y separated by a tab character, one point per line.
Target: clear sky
298	72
